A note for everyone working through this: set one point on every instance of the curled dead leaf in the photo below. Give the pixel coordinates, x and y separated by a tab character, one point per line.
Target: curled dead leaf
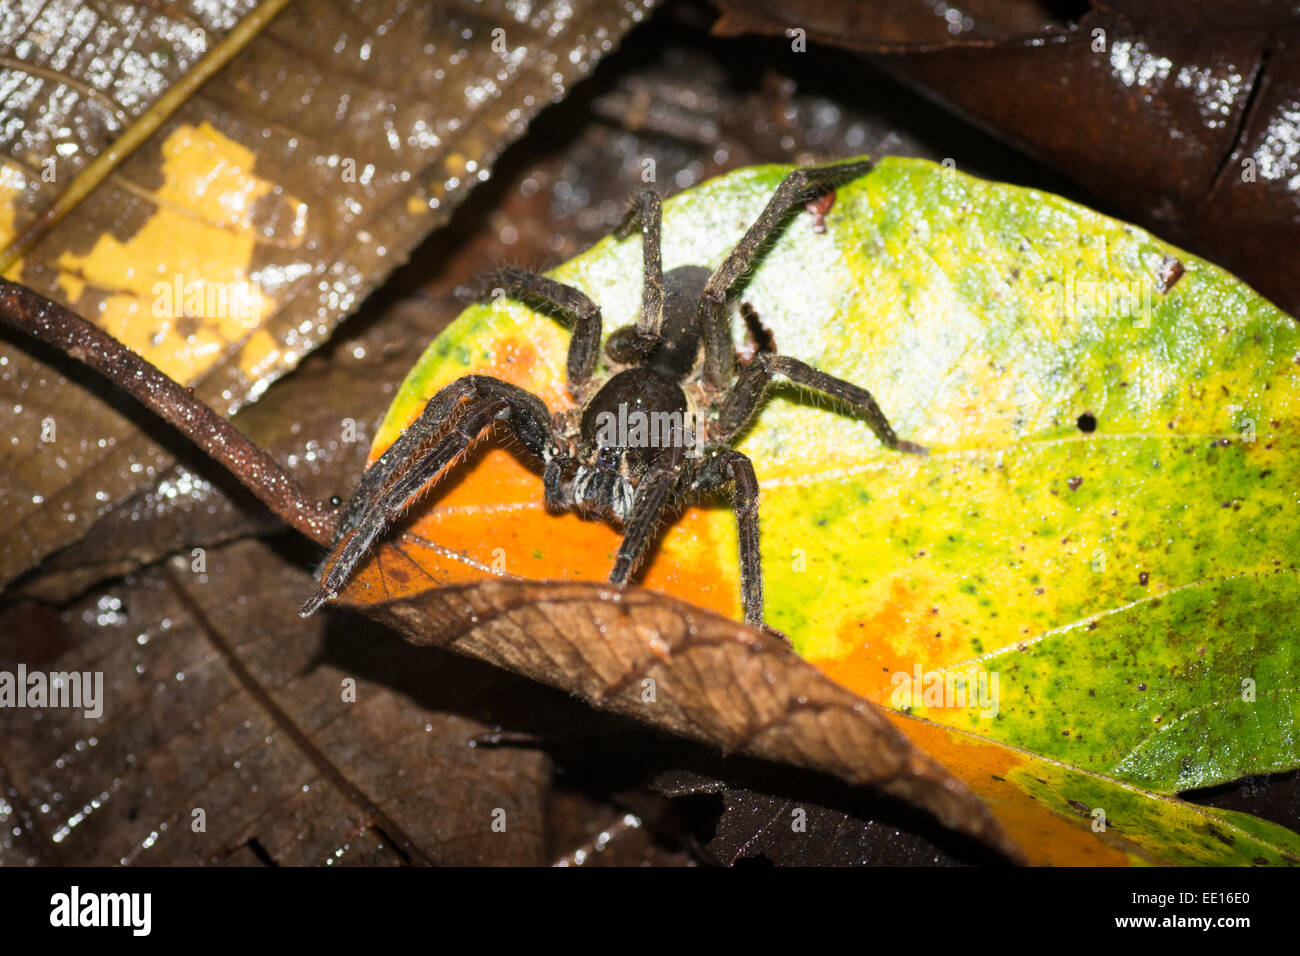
690	672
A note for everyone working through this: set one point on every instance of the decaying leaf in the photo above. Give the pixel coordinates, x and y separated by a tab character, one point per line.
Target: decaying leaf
232	731
691	672
230	241
894	25
775	818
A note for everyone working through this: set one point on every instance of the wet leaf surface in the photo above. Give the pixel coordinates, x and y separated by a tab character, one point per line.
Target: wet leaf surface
890	25
1182	116
786	822
696	109
217	697
298	177
317	421
598	834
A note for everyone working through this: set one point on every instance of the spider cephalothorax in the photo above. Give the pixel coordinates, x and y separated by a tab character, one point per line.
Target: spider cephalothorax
641	419
658	430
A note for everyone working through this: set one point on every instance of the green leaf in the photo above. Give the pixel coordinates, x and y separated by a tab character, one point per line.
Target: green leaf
1105	530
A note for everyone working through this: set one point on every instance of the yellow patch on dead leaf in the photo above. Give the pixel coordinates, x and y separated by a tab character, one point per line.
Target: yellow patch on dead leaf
181	289
11	188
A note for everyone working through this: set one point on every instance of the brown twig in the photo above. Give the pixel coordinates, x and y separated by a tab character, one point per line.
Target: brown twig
55	325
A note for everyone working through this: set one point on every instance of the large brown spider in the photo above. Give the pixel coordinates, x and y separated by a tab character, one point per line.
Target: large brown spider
631	449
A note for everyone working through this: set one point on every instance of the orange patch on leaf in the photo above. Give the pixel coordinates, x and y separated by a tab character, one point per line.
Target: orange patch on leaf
894	639
988	769
487	516
516	360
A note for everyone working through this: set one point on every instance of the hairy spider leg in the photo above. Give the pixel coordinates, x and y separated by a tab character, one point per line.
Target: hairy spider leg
795	189
404	453
647	210
472	406
653	493
569	304
746	396
732	467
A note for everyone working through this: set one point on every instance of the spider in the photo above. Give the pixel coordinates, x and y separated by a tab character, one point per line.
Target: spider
630	450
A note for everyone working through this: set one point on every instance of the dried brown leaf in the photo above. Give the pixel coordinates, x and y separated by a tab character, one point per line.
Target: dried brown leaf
766	817
889	25
301	422
690	672
416	100
218	697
